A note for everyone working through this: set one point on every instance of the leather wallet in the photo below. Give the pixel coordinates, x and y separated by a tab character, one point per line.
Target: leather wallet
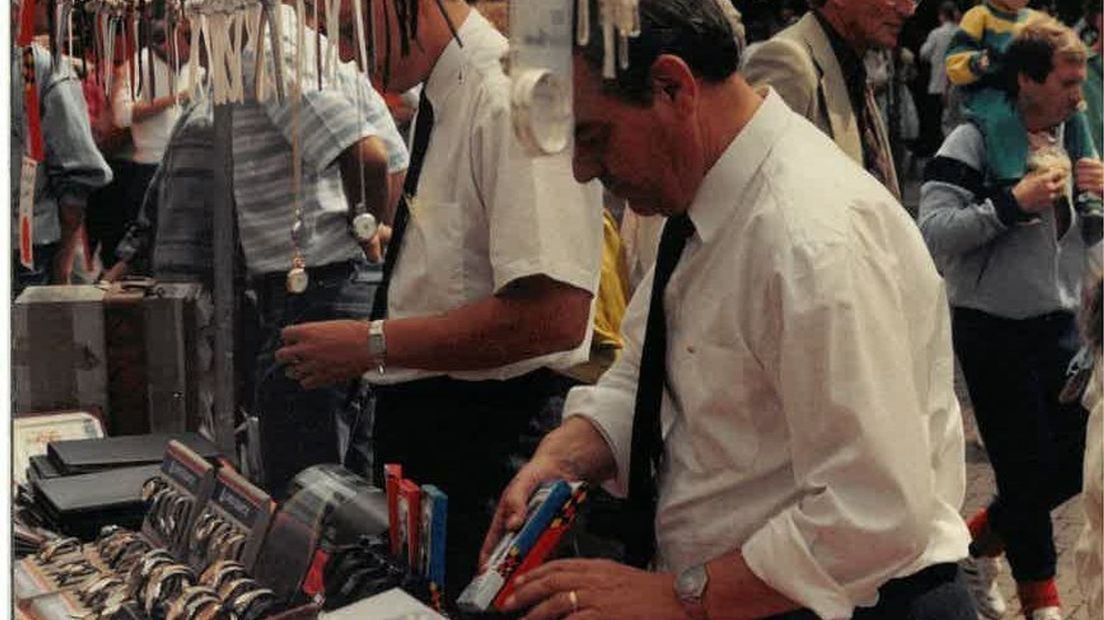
80	505
84	456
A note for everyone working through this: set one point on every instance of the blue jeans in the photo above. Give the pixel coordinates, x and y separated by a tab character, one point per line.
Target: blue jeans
935	593
298	427
1014	370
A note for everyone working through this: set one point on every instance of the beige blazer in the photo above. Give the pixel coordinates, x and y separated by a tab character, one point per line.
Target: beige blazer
801	66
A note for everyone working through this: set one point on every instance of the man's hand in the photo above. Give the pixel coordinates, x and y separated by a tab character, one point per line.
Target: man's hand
373	250
592	589
574	451
1088	175
512	506
1037	192
326	352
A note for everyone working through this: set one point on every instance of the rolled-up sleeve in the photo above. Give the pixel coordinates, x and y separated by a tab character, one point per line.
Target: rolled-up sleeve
541	221
329	120
610	404
74	166
857	428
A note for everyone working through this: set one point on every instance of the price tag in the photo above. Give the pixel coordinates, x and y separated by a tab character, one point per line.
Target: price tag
27	175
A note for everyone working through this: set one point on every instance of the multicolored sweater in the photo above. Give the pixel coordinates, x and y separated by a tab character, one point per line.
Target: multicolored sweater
985	30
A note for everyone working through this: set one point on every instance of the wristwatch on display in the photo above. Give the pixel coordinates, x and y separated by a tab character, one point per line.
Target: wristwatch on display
690	587
363	225
377	343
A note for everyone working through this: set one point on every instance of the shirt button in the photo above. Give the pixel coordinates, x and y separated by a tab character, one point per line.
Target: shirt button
691	350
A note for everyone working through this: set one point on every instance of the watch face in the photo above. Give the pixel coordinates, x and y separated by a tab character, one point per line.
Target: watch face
690	583
297	280
364	227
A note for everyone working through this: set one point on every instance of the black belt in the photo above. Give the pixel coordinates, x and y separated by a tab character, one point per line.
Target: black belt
541	381
266	281
1049	317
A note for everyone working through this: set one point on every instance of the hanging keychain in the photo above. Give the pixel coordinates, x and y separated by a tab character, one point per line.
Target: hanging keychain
297	278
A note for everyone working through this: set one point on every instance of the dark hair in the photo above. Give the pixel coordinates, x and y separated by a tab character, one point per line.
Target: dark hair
694	30
1033	50
948	9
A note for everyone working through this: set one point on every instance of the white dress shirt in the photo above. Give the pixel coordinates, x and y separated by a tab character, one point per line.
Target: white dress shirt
809	418
486	213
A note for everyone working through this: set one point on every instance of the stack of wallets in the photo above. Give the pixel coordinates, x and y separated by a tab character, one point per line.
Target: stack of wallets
550	513
418	522
86	456
81	505
86	484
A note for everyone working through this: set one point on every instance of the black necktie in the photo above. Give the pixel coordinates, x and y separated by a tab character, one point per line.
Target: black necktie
647	437
423	126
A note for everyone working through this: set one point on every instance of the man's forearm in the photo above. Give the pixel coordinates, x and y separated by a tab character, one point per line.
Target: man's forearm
364	175
579	447
540	317
143	110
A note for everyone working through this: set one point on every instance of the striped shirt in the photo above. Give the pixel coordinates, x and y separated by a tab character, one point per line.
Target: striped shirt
175	222
329	121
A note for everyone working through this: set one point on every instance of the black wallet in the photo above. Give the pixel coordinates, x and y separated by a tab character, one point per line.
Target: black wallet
80	505
84	456
40	468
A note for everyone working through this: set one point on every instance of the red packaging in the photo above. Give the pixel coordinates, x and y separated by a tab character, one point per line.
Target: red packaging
393	474
410	512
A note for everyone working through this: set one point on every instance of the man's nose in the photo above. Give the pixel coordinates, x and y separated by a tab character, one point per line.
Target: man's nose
905	8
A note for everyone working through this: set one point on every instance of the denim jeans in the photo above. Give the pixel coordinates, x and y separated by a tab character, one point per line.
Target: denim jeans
1014	371
910	598
298	427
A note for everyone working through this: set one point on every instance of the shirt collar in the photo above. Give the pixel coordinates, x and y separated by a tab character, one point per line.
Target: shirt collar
723	187
448	71
854	73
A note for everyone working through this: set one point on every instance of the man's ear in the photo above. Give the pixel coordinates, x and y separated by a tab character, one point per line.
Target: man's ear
673	83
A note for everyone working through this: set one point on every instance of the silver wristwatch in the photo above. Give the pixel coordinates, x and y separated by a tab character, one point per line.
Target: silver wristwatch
377	343
690	587
363	225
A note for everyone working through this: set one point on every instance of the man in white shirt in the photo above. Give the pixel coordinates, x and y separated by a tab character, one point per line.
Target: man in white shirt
787	396
488	280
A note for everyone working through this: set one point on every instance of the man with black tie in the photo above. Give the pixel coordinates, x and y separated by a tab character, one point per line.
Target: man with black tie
488	283
782	417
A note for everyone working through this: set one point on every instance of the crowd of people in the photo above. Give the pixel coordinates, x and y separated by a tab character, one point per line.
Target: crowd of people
726	303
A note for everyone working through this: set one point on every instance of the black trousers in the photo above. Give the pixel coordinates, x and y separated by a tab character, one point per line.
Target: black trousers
468	438
1014	370
934	593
